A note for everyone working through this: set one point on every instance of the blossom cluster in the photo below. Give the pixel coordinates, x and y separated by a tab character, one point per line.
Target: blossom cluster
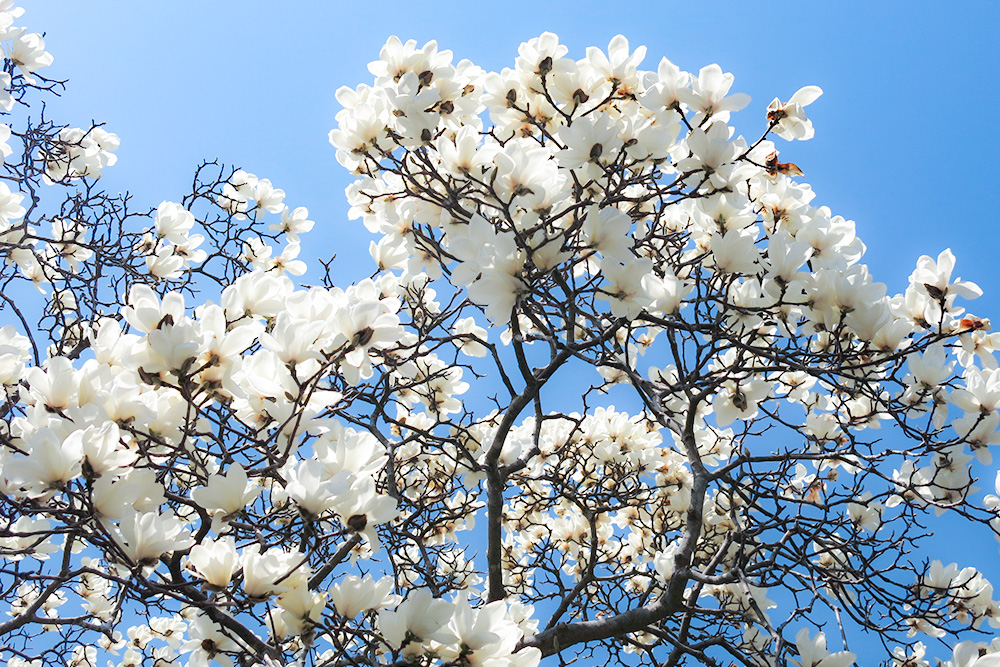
81	153
569	199
676	452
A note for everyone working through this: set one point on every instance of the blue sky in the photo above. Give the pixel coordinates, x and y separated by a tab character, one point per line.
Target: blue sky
905	132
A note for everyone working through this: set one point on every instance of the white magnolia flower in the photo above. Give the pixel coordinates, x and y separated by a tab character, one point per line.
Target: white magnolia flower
27	52
813	652
227	495
353	595
215	561
145	536
789	119
420	617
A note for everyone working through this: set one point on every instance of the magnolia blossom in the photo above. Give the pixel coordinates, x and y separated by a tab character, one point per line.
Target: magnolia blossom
28	537
271	572
789	120
417	619
81	154
214	561
207	643
27	52
49	463
145	536
15	351
226	495
353	595
813	652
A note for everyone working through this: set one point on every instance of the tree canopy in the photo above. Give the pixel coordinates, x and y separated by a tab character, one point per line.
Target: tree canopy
618	391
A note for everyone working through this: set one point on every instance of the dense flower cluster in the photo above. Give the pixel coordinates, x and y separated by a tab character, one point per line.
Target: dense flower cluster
274	473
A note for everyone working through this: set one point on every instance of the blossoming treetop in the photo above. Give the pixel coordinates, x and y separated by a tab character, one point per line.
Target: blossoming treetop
426	467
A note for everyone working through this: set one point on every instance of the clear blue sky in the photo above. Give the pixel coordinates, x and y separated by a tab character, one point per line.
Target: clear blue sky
905	132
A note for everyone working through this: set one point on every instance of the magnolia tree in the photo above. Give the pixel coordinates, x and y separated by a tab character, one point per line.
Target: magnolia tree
203	459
